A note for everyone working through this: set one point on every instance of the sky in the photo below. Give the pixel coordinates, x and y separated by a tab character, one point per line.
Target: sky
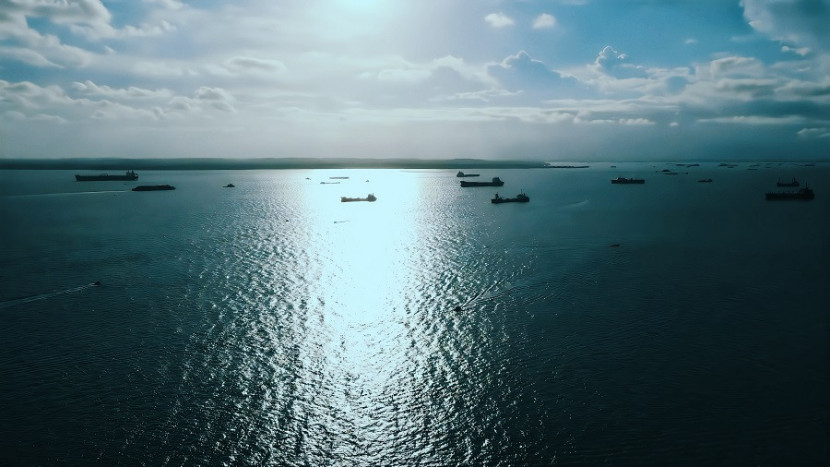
568	80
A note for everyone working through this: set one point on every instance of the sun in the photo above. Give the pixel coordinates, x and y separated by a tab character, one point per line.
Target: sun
348	19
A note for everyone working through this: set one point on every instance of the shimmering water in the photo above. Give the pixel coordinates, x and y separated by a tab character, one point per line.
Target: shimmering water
271	324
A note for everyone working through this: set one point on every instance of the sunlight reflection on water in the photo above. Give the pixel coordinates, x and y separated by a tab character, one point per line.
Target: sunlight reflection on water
377	364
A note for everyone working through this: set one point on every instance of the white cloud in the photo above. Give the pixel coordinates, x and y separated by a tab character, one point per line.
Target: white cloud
27	56
114	111
26	96
802	51
167	4
532	77
613	63
736	67
806	89
499	20
161	69
823	133
217	98
753	120
91	12
89	18
635	121
544	21
754	88
800	22
91	89
245	63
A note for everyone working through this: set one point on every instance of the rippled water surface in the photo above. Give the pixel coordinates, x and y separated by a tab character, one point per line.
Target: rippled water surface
672	322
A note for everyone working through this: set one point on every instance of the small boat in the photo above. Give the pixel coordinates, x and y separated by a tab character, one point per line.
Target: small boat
520	198
230	185
128	176
792	182
496	181
344	199
627	181
705	180
462	174
154	188
805	193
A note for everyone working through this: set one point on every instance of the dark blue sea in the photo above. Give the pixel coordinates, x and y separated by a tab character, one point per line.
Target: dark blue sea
673	322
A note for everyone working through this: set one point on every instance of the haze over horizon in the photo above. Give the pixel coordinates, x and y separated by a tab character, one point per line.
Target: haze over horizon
518	80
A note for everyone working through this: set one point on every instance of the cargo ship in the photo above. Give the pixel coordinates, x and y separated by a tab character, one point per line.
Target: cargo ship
344	199
154	188
495	182
627	181
805	193
462	174
520	198
128	176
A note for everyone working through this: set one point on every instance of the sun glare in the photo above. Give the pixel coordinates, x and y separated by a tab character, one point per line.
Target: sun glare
348	19
364	251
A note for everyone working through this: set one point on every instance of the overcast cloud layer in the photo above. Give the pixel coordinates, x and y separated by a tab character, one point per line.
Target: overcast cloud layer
525	79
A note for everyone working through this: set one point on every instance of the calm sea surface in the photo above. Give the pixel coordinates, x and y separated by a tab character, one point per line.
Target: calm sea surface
673	322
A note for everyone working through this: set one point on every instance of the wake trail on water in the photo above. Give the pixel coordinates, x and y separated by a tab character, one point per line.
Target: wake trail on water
44	296
67	193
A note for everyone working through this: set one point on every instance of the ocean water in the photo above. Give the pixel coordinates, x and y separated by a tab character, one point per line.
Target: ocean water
673	322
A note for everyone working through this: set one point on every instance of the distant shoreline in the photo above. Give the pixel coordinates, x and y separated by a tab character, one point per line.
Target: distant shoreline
265	163
182	163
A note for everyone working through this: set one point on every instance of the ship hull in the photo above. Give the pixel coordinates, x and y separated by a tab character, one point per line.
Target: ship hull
468	184
154	188
345	199
789	196
510	200
105	178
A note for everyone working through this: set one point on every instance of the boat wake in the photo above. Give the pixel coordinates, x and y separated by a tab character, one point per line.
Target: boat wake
44	296
67	193
575	205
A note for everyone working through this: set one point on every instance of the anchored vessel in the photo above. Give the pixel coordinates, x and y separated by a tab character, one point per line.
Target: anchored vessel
129	175
344	199
623	181
154	187
495	182
520	198
805	193
462	174
793	182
